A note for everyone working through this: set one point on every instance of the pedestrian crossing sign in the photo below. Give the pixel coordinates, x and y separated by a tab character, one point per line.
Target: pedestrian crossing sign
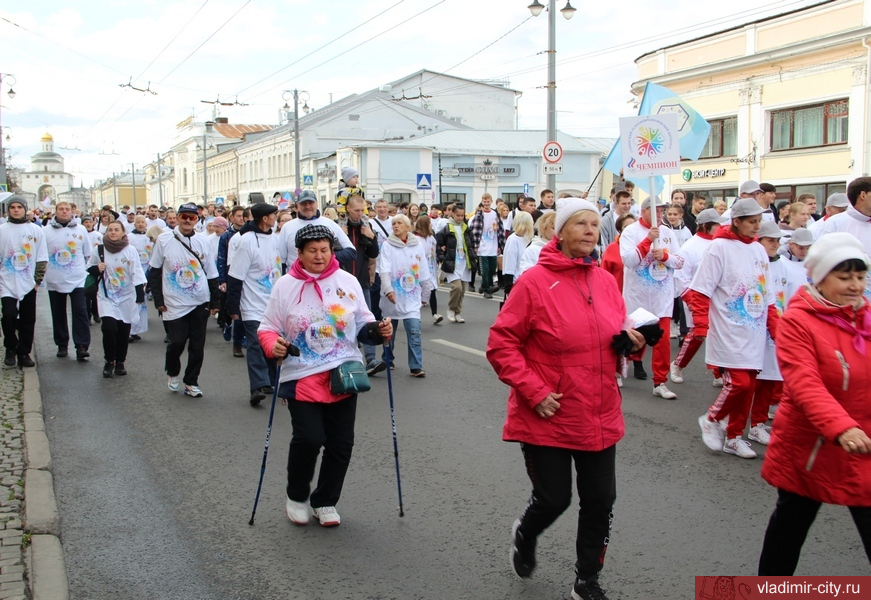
424	181
308	180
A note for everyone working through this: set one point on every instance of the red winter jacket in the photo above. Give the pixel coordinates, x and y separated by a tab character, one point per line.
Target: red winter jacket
554	335
827	390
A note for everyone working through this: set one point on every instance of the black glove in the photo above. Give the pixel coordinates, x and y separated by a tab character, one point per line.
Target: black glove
374	334
622	344
652	333
292	350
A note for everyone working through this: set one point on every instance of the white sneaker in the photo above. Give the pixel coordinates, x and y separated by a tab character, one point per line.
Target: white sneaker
713	434
193	390
739	447
673	335
297	512
173	384
718	382
460	319
436	319
451	317
676	373
327	515
619	381
664	392
758	433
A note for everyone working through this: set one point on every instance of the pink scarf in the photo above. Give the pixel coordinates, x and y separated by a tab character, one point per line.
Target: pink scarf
297	272
860	334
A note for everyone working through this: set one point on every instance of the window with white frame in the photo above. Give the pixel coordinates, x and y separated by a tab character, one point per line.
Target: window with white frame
810	126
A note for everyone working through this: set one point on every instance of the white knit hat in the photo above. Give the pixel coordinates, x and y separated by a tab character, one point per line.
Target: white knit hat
566	207
831	250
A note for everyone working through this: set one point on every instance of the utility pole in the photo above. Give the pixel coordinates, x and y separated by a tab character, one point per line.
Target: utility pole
133	171
296	141
115	190
159	186
208	129
551	83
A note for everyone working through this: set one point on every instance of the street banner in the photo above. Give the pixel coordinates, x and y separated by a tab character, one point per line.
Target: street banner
692	128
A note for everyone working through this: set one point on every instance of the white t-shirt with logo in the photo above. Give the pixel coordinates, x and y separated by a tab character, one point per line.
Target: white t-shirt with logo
69	249
257	263
21	247
287	237
785	283
489	244
143	246
735	276
852	221
149	223
648	283
116	293
185	277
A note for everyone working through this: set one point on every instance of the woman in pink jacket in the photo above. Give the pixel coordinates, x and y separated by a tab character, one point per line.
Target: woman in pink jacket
819	449
552	343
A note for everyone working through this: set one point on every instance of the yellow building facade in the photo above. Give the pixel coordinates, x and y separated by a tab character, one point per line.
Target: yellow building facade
787	98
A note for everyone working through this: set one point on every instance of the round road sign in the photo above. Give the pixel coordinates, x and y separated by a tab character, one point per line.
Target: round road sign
553	152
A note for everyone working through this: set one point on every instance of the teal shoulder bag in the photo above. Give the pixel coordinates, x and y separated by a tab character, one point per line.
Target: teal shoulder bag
349	378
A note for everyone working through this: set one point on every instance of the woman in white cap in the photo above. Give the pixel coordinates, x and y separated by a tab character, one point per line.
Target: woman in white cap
819	449
564	404
732	287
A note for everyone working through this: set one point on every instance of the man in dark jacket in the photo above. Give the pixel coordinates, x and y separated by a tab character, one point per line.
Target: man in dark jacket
456	251
363	238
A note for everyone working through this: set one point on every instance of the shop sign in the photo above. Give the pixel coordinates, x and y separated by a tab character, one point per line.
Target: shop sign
689	174
502	170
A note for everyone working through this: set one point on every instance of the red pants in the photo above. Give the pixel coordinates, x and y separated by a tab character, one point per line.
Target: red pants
767	393
688	350
735	400
661	353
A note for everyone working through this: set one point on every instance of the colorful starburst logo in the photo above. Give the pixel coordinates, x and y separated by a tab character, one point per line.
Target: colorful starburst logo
650	141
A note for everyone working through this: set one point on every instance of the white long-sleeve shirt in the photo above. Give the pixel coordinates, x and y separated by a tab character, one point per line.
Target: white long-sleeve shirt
116	293
852	221
405	272
69	249
185	277
22	245
324	329
648	283
512	253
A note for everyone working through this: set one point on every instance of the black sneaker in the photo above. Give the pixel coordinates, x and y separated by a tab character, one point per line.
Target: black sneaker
237	351
487	295
82	353
257	396
119	368
373	367
9	361
24	360
107	369
522	553
62	352
588	590
640	373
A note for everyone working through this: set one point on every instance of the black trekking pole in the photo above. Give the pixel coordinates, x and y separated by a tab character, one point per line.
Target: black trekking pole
291	351
393	424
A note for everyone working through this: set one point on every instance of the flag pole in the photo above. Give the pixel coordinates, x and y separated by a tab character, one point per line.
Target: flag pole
654	222
595	178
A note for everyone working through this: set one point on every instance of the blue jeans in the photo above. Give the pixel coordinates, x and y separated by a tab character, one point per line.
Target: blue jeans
261	370
238	331
412	334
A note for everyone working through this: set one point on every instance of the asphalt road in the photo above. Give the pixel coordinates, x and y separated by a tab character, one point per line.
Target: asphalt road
155	489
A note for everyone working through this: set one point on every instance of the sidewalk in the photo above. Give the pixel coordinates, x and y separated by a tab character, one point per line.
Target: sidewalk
31	557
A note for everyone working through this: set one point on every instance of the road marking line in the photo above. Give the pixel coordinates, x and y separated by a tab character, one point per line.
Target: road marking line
474	351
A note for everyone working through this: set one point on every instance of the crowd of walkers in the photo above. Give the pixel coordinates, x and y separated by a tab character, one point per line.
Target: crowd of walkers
778	301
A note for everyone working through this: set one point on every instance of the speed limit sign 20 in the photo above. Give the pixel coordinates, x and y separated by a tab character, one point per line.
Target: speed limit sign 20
552	152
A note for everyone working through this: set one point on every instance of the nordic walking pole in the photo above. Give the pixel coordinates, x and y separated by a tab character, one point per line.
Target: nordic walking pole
389	355
268	434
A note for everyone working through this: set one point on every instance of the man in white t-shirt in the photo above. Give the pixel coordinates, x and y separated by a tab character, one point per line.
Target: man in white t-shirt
489	239
856	219
152	218
383	228
764	194
69	248
184	284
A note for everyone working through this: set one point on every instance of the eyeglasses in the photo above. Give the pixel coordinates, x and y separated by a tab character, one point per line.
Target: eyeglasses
188	217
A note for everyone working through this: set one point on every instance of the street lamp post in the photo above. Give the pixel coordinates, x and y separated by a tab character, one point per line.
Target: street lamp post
11	93
206	131
568	12
285	96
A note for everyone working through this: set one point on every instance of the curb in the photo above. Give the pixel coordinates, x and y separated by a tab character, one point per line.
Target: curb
45	558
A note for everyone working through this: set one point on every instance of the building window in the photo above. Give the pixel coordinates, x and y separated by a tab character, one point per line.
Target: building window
511	199
722	139
453	199
810	126
397	198
821	191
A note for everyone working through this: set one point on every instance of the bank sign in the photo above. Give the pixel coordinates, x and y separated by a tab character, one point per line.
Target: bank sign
650	145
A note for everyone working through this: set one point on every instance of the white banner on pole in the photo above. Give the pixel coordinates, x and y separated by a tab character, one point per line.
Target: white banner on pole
650	145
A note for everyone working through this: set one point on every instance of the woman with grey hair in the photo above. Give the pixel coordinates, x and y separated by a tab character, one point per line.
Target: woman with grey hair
405	279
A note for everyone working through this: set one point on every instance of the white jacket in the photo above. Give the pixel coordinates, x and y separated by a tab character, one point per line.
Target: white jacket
852	221
404	271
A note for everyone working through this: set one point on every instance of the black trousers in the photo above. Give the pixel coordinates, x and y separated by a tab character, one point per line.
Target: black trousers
116	338
788	527
19	320
319	425
375	296
550	471
81	322
191	330
433	303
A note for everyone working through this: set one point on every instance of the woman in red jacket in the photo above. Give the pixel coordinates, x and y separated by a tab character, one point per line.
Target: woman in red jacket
552	344
819	449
